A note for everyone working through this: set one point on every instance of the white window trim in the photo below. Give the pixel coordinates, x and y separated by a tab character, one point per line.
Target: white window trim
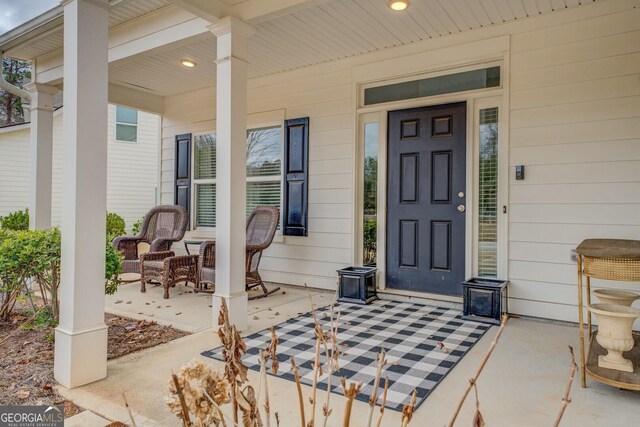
115	128
210	232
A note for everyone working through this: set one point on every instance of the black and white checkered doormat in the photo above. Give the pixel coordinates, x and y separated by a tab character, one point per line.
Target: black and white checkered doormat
408	332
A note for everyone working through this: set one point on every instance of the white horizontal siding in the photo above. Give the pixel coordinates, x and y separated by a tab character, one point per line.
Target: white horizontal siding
327	100
575	124
14	167
574	97
132	170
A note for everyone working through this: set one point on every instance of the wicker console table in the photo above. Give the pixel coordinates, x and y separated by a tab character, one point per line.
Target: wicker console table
608	259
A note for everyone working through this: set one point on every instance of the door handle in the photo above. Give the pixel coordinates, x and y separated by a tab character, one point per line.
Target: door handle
461	208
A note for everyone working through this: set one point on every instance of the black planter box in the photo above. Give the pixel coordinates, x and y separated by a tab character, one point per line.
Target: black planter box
485	299
357	285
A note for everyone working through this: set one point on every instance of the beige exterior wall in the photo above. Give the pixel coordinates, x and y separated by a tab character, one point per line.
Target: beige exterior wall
14	169
575	123
572	87
132	169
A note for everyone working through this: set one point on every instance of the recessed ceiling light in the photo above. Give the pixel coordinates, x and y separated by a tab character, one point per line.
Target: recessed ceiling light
188	62
399	4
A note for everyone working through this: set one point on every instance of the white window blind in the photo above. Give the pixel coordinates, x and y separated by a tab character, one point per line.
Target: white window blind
126	124
263	173
488	194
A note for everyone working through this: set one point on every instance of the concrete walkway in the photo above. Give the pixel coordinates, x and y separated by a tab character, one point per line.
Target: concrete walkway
522	385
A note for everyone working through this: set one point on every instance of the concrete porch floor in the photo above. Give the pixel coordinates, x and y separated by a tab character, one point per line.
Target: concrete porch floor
522	385
191	312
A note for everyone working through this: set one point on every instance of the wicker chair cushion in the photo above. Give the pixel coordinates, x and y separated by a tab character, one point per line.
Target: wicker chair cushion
157	265
208	275
131	266
143	248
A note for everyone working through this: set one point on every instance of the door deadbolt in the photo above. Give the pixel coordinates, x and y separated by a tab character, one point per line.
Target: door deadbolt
461	208
461	194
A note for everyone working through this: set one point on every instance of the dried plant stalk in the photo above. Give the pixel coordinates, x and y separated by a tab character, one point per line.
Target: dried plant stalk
263	380
296	375
248	404
221	413
381	362
270	353
317	367
317	371
332	361
473	380
408	410
186	421
126	404
234	348
350	393
478	420
384	402
566	399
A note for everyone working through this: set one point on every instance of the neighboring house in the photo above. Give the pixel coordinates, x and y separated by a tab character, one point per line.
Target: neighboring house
132	165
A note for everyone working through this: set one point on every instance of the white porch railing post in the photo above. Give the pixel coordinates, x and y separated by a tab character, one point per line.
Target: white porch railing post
231	127
81	337
41	138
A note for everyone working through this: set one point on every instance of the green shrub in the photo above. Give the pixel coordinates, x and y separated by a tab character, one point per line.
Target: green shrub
135	229
370	231
31	255
16	221
10	278
112	269
34	255
41	318
115	226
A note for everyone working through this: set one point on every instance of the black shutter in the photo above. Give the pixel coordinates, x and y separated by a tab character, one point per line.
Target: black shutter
182	193
296	177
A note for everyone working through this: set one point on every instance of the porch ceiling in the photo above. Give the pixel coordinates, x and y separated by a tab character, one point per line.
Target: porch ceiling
325	31
51	38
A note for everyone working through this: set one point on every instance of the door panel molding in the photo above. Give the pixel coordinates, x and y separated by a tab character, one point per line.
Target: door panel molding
428	252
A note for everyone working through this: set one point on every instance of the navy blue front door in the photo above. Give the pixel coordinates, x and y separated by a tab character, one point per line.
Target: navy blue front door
426	193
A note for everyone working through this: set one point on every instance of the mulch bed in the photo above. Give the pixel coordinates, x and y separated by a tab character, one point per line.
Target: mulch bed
26	358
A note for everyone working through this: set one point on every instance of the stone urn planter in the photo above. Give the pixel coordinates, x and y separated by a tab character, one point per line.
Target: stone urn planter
615	296
614	334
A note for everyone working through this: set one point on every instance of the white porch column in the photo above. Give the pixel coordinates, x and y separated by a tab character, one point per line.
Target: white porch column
81	337
231	123
41	137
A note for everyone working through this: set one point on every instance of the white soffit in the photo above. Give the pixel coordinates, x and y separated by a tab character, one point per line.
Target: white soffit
119	13
323	32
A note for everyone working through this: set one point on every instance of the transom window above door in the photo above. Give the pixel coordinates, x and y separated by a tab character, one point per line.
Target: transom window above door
449	83
264	158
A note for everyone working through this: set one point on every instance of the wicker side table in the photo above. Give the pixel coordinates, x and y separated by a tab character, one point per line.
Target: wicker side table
607	259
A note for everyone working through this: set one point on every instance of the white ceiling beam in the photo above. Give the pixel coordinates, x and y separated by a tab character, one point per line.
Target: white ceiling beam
253	11
256	11
211	10
137	99
156	32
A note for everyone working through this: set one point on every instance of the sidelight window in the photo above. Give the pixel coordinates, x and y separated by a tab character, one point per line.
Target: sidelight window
488	194
370	199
